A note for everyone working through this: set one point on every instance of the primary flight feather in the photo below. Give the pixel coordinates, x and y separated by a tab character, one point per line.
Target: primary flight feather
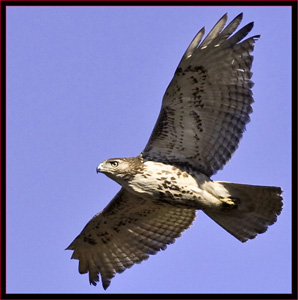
204	112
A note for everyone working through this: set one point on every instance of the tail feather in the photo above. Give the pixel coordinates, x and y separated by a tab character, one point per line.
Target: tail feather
256	208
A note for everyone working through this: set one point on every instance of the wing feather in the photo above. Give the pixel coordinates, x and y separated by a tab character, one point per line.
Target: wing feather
207	104
214	31
126	232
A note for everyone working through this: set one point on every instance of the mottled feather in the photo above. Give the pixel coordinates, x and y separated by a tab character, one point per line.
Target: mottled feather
126	232
204	112
208	102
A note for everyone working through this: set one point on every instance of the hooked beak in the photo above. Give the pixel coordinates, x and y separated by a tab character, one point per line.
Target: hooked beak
99	168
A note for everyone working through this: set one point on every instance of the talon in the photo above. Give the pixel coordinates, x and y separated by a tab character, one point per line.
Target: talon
228	201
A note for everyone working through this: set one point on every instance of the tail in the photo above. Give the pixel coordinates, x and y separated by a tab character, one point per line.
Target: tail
256	207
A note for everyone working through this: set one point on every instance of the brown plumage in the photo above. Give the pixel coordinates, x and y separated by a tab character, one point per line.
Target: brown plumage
204	112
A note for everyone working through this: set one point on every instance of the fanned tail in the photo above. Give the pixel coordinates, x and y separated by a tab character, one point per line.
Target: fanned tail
256	208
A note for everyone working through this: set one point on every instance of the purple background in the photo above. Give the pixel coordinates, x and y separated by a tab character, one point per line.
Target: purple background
85	84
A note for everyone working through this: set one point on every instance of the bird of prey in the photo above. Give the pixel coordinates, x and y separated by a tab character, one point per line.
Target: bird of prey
204	112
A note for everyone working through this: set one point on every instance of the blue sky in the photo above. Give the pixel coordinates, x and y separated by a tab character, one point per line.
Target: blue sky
85	84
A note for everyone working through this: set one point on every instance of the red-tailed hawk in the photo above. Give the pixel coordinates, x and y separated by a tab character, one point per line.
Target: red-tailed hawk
204	112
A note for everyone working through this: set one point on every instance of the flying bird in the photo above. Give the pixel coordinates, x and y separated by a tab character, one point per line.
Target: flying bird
204	113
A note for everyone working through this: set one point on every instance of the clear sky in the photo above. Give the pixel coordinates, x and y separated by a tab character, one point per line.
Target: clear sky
85	84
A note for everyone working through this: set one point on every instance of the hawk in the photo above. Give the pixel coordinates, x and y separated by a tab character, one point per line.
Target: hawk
204	112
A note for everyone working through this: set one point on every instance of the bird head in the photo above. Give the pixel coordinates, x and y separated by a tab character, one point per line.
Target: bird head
120	169
111	166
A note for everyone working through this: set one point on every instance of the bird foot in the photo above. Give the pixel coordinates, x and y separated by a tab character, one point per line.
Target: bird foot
228	202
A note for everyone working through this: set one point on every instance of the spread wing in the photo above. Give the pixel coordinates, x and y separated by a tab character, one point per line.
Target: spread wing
126	232
208	102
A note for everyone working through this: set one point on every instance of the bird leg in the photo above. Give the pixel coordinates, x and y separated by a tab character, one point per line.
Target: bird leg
229	202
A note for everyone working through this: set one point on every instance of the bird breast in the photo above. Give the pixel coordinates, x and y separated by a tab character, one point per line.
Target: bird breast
166	183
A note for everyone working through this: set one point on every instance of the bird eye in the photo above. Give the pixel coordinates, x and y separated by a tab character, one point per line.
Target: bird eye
114	163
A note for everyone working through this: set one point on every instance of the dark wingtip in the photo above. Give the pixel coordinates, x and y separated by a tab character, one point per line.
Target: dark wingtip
224	16
93	283
240	16
106	284
69	247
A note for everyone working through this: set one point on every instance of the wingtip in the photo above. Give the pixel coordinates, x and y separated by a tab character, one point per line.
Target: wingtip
225	16
237	19
69	247
93	283
201	32
250	25
240	16
106	283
